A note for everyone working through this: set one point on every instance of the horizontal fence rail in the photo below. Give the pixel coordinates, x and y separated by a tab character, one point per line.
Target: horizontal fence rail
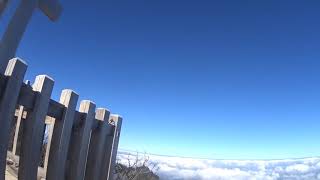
41	138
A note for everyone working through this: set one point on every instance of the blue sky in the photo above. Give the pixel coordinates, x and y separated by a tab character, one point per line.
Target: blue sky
216	79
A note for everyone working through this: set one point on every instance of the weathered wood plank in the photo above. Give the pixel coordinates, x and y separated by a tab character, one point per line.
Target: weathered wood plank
27	99
96	148
117	120
34	128
61	137
15	70
55	109
80	140
26	96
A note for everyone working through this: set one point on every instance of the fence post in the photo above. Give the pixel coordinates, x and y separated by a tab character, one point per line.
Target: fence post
50	128
34	128
80	140
111	147
15	70
17	129
61	137
96	149
107	155
117	120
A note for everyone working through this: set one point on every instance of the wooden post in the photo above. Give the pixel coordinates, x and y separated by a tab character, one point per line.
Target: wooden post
34	128
61	137
96	149
111	147
80	140
50	128
117	120
104	170
16	134
16	70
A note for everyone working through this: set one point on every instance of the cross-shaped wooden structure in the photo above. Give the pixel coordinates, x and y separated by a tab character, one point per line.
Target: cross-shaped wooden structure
3	4
18	24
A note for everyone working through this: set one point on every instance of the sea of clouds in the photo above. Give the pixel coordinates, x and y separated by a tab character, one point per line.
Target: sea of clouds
177	168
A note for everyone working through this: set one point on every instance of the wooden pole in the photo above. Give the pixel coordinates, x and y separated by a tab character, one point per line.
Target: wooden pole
117	120
50	127
14	32
33	130
15	71
80	140
16	134
96	149
61	137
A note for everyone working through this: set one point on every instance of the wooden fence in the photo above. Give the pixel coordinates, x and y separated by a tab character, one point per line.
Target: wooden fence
73	144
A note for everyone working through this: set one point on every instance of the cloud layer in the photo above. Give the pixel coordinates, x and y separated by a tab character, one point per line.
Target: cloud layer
176	168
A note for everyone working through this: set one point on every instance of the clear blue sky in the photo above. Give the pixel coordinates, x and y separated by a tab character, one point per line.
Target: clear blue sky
218	79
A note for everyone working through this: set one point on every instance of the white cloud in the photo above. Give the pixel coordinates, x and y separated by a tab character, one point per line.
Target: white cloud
298	168
175	168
